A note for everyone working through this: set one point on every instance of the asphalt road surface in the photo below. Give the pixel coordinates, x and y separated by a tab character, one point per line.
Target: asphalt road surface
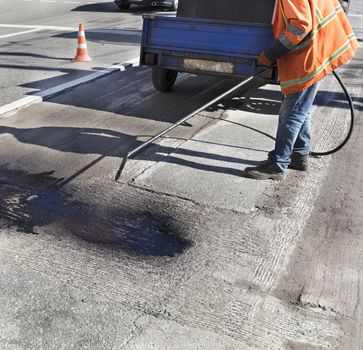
183	252
38	40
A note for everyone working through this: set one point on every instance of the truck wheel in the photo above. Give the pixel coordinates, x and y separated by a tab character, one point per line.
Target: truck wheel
174	5
122	5
163	79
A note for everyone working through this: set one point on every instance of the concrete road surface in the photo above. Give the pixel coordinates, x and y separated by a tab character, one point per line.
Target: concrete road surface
184	252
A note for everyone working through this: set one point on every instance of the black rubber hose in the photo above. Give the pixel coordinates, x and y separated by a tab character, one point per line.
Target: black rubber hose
352	113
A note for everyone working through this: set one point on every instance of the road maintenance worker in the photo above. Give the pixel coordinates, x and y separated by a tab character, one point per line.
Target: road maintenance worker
312	38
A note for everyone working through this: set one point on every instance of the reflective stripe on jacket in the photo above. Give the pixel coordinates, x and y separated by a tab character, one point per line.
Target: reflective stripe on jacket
313	37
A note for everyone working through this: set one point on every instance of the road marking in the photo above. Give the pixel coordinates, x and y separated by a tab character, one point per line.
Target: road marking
71	29
74	29
41	95
20	33
23	102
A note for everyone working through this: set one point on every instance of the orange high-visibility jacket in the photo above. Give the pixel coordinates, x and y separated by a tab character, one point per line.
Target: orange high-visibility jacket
313	37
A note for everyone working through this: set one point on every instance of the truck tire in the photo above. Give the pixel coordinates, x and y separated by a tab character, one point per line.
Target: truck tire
163	79
174	5
122	5
345	4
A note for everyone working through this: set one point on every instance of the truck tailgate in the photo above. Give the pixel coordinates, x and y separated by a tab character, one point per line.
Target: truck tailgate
204	46
217	38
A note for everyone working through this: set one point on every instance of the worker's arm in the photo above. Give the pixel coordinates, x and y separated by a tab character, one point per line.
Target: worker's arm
298	24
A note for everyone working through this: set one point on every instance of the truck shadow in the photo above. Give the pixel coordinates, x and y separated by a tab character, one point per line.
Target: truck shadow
131	93
107	36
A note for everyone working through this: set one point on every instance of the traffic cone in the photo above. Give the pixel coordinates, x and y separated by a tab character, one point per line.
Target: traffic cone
82	55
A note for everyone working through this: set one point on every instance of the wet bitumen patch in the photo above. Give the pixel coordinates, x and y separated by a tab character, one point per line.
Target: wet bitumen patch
30	201
26	201
137	232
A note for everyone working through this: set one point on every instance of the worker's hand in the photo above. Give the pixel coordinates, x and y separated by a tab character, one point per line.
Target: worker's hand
263	60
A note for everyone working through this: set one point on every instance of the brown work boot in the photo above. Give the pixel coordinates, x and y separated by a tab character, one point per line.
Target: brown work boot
264	171
299	162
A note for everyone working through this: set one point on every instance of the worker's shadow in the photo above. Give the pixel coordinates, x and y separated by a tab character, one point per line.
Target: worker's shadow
108	143
73	139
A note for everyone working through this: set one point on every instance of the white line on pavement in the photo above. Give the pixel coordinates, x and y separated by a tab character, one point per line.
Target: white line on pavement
71	29
20	33
41	95
23	102
74	29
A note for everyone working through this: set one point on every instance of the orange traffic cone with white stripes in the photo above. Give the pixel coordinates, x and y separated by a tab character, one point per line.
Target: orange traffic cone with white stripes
82	55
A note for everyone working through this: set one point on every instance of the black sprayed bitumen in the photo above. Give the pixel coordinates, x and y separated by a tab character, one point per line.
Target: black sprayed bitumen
37	202
137	232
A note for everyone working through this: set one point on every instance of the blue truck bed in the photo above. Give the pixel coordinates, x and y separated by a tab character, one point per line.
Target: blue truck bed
203	46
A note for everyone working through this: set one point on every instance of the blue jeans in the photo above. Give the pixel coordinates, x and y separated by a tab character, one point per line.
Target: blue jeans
294	129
